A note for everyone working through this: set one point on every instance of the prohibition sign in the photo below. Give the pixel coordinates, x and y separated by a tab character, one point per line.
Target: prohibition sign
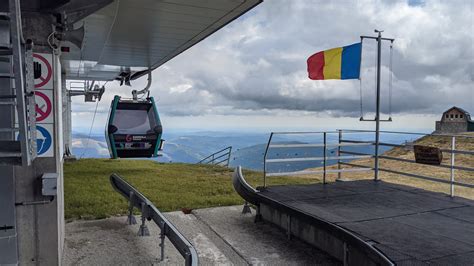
49	71
42	112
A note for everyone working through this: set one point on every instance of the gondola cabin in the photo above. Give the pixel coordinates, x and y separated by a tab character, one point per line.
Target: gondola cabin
134	129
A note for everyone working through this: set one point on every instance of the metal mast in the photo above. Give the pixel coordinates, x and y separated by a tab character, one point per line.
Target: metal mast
377	108
377	120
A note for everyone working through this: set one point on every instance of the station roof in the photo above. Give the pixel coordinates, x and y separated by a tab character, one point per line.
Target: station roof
126	37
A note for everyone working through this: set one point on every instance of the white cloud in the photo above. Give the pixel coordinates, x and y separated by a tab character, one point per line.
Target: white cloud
256	66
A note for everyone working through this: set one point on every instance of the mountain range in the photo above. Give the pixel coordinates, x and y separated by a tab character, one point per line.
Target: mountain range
247	148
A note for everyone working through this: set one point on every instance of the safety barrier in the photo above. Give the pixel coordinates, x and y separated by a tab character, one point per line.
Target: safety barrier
150	212
324	158
409	146
221	157
345	157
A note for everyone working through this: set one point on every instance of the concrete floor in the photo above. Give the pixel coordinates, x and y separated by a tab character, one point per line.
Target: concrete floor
221	236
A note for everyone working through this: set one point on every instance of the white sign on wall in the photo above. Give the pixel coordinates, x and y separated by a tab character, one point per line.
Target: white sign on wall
44	106
43	71
43	80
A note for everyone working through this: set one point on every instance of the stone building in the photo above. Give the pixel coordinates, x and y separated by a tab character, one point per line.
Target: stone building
455	120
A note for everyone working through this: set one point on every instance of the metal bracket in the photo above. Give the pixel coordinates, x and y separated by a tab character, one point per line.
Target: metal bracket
6	227
246	208
375	120
162	240
131	218
143	230
258	216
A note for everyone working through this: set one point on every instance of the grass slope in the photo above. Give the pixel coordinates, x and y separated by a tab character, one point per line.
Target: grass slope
89	194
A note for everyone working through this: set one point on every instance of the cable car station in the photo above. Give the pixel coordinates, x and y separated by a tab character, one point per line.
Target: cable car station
53	50
43	44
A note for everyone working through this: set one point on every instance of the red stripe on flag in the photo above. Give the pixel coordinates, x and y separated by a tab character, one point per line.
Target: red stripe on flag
316	65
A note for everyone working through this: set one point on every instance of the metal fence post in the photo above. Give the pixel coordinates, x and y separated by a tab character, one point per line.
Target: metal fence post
162	240
131	218
338	155
324	157
453	148
228	158
265	160
143	230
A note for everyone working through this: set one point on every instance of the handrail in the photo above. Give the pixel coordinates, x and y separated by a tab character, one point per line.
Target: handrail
150	212
324	159
226	152
342	158
406	133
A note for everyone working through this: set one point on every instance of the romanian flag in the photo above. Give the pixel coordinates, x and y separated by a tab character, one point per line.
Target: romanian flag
336	63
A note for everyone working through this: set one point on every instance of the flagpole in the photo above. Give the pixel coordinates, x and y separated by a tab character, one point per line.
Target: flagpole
377	119
377	110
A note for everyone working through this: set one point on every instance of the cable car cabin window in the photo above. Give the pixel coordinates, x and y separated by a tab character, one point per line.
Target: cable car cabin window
132	122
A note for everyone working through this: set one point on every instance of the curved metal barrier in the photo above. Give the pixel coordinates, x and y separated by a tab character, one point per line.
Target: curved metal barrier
150	212
350	241
242	188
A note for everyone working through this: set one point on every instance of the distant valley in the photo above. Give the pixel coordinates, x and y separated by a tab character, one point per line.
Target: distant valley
247	149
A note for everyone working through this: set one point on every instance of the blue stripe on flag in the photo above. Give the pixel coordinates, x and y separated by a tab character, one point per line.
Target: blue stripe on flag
350	63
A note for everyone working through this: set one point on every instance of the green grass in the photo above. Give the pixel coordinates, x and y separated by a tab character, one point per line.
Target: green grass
89	195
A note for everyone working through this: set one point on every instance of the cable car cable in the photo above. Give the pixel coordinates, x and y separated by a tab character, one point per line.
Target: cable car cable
90	131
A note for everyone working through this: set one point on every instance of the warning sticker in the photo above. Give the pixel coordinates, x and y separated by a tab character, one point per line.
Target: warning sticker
44	140
43	71
44	107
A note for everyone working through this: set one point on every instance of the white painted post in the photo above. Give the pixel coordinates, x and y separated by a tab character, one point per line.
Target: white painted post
324	156
453	148
338	155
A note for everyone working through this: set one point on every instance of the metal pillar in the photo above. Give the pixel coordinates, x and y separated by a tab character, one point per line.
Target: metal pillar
453	148
377	109
339	154
324	155
379	40
67	124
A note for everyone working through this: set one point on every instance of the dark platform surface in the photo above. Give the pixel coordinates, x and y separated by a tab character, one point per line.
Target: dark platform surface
409	225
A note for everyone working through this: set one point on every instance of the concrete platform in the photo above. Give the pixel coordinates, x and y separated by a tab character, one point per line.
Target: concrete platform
410	226
221	236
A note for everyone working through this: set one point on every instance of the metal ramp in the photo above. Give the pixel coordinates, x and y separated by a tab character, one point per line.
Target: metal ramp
373	222
17	104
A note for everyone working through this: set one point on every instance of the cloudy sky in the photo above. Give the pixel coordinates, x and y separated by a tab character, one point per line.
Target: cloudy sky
252	75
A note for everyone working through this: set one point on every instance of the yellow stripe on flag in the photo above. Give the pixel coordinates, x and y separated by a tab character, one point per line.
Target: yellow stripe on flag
332	63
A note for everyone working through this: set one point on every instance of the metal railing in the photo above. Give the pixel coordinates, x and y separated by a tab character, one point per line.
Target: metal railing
221	157
409	146
324	158
150	212
345	158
